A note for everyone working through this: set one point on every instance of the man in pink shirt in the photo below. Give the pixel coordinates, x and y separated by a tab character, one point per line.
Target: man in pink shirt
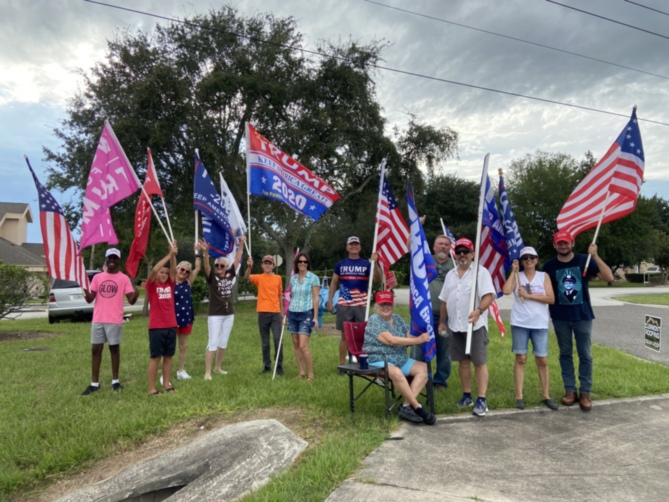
107	289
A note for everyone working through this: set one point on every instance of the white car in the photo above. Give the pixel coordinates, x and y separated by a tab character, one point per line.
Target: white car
66	300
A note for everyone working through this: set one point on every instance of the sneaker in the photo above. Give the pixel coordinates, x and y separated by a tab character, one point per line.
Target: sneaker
279	371
428	417
182	375
406	413
551	404
481	407
265	371
117	386
221	372
465	402
520	404
90	389
207	377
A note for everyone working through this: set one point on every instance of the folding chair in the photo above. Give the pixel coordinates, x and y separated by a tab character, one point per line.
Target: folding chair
354	332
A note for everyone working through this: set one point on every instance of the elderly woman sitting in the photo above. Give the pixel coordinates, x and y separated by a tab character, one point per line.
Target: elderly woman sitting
388	334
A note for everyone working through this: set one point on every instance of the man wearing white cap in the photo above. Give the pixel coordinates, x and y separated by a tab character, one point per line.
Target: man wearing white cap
108	288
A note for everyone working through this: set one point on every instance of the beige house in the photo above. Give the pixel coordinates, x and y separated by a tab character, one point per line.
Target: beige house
14	250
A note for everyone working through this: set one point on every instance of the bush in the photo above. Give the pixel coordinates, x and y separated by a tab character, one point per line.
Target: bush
17	286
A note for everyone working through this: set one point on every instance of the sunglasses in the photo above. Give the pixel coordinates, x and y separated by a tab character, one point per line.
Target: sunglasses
385	305
462	251
528	257
303	261
220	265
267	262
181	269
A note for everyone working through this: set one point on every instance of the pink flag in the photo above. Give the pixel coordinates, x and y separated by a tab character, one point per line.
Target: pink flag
111	180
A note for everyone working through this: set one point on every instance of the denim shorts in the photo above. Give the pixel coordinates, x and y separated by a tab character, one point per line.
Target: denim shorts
406	367
300	322
522	336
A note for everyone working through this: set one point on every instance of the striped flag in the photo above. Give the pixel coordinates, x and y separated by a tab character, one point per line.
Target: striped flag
62	259
618	174
493	254
393	233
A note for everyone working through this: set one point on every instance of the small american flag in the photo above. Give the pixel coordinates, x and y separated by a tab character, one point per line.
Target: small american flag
60	249
393	232
619	174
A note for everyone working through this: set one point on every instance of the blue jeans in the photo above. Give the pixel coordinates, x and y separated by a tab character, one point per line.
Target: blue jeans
443	369
581	331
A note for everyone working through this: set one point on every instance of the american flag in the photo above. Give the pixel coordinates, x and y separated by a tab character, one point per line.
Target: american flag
393	233
493	252
619	174
60	249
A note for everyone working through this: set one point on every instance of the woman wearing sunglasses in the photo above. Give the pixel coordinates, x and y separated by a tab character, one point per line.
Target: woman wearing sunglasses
529	320
302	312
221	308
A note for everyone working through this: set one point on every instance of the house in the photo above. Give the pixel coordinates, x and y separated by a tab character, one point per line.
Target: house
14	250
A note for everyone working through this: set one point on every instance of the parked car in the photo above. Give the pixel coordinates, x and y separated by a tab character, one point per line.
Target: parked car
66	300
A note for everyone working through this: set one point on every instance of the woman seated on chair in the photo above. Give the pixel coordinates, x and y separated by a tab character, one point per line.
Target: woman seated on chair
388	334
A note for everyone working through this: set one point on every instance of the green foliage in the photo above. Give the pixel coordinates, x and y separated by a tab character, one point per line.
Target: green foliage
18	286
200	291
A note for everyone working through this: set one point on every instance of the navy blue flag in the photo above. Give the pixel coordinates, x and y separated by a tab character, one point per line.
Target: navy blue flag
514	242
216	227
423	271
493	254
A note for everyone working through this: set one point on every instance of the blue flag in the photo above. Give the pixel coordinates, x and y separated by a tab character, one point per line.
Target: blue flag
493	254
215	219
514	242
423	271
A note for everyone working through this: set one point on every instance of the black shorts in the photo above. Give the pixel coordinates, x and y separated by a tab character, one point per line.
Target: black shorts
162	342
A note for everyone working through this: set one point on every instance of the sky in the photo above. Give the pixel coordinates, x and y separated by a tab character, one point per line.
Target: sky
49	44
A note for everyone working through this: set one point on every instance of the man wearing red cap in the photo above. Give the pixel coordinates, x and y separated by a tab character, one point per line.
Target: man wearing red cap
572	313
454	313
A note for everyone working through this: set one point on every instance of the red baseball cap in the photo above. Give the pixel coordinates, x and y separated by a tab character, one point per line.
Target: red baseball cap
464	243
384	297
562	236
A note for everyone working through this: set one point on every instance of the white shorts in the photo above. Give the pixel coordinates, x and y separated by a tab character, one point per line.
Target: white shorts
220	327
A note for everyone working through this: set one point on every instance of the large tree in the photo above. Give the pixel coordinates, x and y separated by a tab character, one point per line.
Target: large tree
196	85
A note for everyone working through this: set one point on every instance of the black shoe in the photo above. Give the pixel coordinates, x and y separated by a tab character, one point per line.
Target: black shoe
427	417
551	404
117	386
520	404
406	413
90	389
265	371
439	387
279	371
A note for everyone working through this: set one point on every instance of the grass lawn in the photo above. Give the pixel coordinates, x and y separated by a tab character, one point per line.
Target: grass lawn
49	433
657	299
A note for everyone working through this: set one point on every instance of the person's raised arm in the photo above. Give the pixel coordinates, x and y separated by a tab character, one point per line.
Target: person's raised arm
249	266
198	265
205	257
510	283
163	261
173	260
378	274
605	273
240	252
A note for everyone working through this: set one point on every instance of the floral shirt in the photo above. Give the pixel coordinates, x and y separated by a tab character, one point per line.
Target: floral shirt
397	356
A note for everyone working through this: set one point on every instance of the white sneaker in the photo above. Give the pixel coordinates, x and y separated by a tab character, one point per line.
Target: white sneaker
161	380
182	375
221	372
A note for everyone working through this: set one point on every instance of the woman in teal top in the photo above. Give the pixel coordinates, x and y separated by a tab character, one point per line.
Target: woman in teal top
303	312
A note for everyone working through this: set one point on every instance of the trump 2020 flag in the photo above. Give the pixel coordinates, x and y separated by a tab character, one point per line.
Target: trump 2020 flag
60	249
514	242
422	266
111	180
276	175
493	253
215	218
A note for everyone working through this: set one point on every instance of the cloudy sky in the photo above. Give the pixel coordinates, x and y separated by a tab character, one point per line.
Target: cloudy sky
48	43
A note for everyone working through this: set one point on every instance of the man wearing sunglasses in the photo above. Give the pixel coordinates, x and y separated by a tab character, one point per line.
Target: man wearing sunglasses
455	315
572	313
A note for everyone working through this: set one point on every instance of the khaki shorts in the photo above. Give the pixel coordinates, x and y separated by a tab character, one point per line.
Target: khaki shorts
349	314
479	348
103	332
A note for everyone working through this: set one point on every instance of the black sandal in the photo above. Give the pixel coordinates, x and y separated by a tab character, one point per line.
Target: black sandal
170	389
156	393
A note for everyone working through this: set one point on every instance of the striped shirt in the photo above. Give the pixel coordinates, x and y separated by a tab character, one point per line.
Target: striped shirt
302	295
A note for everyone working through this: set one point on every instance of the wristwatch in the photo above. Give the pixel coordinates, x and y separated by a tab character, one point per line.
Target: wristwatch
480	310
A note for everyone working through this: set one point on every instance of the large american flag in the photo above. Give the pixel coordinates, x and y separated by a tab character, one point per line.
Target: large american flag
619	174
60	249
493	253
393	233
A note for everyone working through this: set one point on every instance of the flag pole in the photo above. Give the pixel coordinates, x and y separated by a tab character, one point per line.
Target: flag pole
248	188
156	215
167	216
197	229
477	247
594	239
450	251
280	349
376	232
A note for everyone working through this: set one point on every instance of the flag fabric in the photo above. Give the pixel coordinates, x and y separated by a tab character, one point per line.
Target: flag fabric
234	216
619	174
60	249
393	232
110	180
493	253
277	175
514	242
494	310
143	218
215	217
423	271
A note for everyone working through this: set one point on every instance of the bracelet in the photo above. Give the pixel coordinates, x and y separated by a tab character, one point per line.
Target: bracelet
480	310
197	255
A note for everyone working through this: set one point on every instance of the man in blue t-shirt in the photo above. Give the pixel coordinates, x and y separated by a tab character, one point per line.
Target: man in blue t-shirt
351	276
572	313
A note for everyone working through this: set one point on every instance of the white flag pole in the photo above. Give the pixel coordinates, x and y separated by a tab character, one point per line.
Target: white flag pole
477	247
280	349
196	228
248	187
156	215
376	232
594	239
167	216
450	251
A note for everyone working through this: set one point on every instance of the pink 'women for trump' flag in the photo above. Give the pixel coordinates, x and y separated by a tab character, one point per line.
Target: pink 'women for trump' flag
111	180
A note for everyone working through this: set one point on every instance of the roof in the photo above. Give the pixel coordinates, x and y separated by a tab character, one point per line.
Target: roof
15	208
36	248
11	254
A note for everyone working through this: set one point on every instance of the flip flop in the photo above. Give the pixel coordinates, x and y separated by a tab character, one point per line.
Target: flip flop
171	389
156	393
